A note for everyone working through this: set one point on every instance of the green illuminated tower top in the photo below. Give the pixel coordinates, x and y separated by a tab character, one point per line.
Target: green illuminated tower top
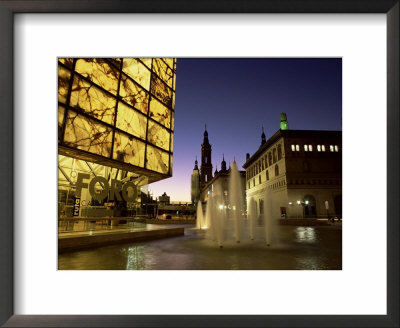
284	122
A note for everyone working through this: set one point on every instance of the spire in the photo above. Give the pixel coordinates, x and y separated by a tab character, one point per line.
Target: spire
262	136
223	163
205	140
216	171
195	165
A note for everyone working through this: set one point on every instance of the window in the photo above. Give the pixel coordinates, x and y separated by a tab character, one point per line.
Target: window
263	164
274	155
279	152
267	175
270	158
331	148
254	182
336	148
323	147
259	179
276	170
305	147
248	185
310	147
293	147
297	148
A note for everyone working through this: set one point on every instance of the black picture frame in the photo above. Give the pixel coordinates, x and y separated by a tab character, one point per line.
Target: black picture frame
7	10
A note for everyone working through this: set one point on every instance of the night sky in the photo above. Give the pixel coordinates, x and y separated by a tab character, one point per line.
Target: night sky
235	97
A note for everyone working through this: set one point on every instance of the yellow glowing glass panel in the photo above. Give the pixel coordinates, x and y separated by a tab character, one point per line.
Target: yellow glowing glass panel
160	113
128	149
137	71
170	62
157	160
163	71
161	91
146	61
88	135
172	142
170	164
100	72
158	136
93	100
64	76
66	61
134	95
61	112
131	121
172	122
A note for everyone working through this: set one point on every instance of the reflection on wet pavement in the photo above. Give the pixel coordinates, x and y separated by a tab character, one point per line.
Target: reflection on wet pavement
299	248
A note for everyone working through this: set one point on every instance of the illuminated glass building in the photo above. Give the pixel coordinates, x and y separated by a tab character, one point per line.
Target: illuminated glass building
115	125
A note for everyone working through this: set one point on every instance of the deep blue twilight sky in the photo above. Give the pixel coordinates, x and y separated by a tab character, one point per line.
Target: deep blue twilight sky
235	97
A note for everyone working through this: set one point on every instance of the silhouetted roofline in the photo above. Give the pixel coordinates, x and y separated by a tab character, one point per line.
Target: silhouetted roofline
291	134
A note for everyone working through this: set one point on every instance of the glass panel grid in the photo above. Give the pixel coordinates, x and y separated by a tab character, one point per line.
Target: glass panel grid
114	107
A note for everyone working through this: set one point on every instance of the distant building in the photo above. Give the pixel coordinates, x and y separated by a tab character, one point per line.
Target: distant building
206	166
195	186
303	168
219	183
164	199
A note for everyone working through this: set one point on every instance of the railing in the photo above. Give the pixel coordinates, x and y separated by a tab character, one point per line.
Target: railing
80	224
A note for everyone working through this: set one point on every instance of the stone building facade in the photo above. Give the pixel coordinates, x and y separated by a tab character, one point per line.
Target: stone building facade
303	168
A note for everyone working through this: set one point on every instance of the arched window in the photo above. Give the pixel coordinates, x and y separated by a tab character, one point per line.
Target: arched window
279	152
276	170
274	155
270	158
267	175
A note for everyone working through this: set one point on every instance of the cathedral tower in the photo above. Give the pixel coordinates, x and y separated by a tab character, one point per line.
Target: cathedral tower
195	188
206	166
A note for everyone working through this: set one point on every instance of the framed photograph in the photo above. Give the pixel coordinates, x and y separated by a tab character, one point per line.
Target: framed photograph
208	157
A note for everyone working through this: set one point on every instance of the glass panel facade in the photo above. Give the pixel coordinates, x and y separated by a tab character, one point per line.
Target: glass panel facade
117	108
115	127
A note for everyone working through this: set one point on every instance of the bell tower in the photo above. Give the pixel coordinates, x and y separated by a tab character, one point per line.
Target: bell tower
195	187
206	166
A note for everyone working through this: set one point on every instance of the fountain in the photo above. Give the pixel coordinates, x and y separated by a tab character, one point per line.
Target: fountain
199	219
252	216
225	219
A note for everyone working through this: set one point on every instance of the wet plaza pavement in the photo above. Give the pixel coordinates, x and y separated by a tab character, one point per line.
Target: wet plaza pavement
297	248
